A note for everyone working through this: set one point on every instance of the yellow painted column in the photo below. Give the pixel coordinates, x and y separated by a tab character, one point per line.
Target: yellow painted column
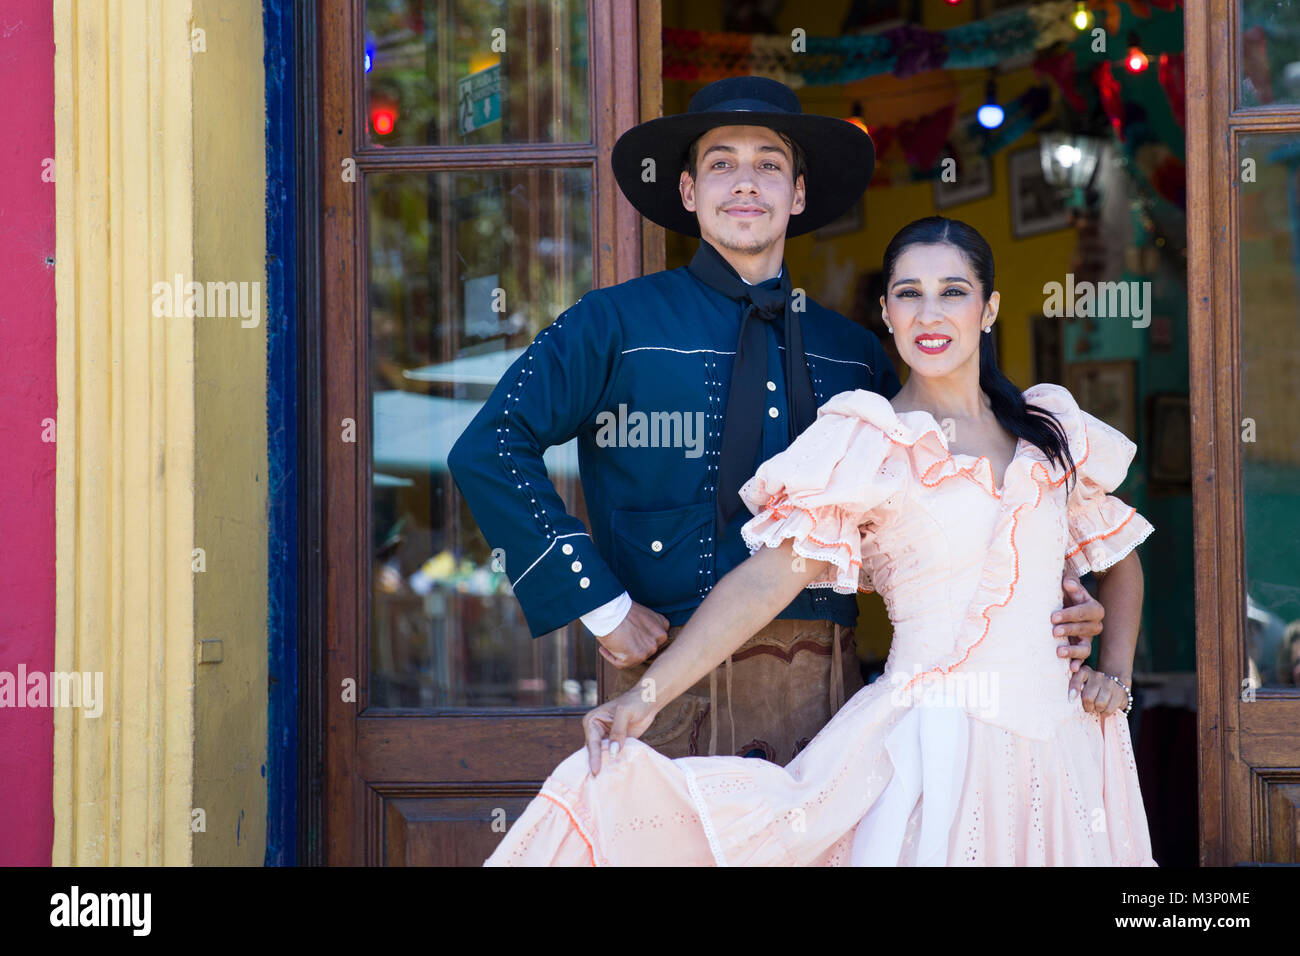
126	439
230	477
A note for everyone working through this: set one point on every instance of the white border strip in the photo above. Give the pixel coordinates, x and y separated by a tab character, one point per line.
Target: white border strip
571	534
664	348
705	820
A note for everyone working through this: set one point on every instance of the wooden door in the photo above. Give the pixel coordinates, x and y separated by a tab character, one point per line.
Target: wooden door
464	166
1243	224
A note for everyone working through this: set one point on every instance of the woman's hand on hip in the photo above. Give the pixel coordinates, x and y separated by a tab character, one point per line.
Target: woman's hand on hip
609	725
1101	695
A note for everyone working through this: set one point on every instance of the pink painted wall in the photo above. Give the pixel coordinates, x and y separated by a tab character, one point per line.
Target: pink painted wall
27	398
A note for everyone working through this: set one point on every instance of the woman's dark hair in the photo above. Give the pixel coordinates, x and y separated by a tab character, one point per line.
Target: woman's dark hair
1034	424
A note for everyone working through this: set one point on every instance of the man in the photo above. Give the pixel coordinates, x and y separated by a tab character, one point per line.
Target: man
677	385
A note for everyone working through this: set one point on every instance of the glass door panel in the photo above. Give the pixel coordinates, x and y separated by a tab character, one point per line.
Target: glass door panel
465	268
1269	52
1269	223
476	72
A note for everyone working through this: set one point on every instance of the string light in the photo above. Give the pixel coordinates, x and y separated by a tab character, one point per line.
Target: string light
1136	61
1081	19
383	114
856	118
990	115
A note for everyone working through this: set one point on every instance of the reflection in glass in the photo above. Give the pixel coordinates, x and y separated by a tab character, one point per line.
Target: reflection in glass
1269	221
1269	52
465	269
475	72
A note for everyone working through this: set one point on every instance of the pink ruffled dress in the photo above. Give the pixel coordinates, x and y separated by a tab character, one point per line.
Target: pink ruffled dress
967	751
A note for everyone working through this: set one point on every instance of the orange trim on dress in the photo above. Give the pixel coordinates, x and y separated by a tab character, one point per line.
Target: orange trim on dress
968	472
777	513
1015	519
576	828
1114	531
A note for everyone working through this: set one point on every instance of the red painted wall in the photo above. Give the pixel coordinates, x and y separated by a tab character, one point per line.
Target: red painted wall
27	398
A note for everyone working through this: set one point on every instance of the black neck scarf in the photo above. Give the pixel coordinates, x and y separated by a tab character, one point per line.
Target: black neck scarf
747	401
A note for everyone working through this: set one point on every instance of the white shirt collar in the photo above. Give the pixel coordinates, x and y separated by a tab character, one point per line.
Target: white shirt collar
777	276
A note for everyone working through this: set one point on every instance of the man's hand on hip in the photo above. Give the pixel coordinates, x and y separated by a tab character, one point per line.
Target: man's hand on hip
642	633
1076	624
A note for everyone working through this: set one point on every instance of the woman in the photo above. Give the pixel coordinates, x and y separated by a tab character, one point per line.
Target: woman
968	750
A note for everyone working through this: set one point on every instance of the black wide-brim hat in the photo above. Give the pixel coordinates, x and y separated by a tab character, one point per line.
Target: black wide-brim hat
840	155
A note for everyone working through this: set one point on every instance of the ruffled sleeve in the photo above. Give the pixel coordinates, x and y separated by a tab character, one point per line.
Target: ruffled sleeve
828	488
1103	529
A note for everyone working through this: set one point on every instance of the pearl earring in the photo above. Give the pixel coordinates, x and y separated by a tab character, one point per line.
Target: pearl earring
988	328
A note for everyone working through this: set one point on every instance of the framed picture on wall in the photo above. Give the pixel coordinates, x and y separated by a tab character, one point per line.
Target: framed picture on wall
1036	205
1108	390
974	174
1169	440
974	181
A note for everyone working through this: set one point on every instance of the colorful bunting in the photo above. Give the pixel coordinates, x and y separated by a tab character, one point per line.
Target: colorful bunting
925	140
909	50
916	50
1110	9
1171	81
1061	68
702	56
1108	90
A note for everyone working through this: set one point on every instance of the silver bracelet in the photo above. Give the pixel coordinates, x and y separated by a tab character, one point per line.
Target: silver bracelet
1129	709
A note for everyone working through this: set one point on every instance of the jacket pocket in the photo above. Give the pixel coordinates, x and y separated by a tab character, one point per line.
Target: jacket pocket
658	555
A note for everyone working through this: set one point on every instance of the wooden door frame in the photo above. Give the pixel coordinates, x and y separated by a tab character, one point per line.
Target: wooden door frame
1230	815
336	503
328	789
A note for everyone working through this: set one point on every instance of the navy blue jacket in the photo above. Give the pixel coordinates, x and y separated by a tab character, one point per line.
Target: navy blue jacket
662	343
